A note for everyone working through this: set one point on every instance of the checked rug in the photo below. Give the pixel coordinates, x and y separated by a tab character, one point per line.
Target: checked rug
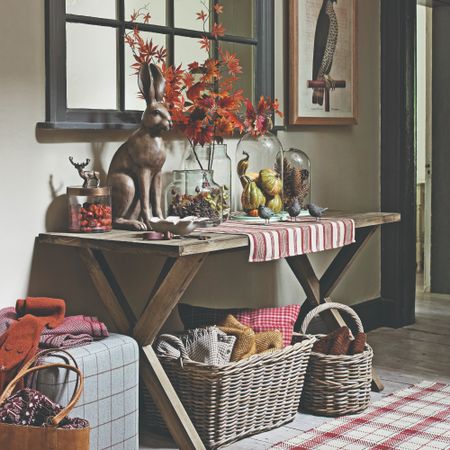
417	417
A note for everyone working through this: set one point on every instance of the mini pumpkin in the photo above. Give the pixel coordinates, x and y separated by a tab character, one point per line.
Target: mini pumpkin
252	197
275	204
254	176
252	213
270	182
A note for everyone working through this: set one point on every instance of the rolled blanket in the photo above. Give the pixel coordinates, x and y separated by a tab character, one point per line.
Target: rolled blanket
74	331
207	345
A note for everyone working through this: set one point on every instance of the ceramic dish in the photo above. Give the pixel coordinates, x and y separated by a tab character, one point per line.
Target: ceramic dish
176	225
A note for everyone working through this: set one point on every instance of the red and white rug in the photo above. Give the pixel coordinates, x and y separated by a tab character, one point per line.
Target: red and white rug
414	418
283	239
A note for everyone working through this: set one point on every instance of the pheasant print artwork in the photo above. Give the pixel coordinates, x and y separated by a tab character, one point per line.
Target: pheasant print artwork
325	41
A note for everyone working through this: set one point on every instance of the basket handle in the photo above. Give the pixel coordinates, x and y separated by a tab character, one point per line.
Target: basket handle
331	305
50	352
25	371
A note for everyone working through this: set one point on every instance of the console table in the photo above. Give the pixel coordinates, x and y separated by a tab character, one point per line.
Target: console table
184	257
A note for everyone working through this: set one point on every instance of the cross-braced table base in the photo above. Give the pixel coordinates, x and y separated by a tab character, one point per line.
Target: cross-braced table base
184	259
175	277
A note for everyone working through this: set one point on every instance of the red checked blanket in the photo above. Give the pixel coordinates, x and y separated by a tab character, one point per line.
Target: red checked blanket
414	418
280	240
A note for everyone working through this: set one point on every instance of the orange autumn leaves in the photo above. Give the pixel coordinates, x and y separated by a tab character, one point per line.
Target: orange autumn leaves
258	121
201	98
144	51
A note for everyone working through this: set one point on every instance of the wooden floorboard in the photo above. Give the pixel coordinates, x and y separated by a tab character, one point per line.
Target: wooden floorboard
402	357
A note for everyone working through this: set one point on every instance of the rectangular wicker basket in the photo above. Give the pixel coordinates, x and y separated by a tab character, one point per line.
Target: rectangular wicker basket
227	403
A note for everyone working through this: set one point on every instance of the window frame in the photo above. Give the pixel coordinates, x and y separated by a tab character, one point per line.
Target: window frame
59	116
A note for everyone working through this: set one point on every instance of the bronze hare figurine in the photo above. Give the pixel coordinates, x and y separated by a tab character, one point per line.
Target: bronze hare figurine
135	171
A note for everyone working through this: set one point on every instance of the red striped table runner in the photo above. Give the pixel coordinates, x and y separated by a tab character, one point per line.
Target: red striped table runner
283	239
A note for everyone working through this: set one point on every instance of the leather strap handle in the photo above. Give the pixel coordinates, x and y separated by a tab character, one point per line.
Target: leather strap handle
51	352
25	371
54	352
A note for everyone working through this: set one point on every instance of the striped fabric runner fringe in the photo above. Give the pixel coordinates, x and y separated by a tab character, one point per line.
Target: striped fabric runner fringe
283	239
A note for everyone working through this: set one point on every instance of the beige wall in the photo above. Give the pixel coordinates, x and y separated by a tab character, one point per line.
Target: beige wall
421	91
345	175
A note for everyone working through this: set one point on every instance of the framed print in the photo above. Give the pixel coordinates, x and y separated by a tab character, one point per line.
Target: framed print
322	62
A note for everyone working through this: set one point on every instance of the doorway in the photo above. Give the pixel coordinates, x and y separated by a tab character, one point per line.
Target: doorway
424	47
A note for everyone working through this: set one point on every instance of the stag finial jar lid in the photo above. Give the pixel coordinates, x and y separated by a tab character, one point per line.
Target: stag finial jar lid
89	205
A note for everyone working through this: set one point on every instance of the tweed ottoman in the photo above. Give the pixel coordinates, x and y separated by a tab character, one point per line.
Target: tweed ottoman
110	401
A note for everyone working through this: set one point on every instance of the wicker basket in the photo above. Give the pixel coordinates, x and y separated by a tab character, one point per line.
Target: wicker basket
227	403
337	385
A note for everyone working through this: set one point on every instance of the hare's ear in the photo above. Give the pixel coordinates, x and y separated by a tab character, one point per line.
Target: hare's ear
145	83
159	82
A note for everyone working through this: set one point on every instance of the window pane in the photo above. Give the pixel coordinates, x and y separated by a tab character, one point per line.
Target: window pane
132	99
237	17
246	55
188	50
186	14
91	67
95	8
156	9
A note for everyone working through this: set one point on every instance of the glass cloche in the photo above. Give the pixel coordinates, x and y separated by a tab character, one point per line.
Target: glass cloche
296	178
261	178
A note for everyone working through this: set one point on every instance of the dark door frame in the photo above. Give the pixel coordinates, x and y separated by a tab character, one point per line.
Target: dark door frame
398	159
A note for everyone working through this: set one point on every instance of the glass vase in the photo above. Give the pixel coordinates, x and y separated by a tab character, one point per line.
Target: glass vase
220	165
296	178
194	193
261	178
89	209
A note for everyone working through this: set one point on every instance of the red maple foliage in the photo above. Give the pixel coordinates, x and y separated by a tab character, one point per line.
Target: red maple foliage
201	97
258	121
144	51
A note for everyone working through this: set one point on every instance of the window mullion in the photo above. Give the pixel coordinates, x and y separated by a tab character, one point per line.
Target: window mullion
121	54
170	7
264	70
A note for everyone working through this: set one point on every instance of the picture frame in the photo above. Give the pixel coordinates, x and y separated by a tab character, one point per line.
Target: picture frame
314	99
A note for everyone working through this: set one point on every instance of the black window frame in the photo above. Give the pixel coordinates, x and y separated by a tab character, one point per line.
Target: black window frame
58	116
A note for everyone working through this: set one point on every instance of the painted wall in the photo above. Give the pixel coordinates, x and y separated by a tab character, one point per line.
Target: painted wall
345	175
421	91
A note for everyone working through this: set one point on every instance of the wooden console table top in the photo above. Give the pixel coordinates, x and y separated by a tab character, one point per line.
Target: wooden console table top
132	242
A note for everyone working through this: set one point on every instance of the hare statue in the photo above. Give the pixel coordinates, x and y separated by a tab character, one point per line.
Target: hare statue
135	170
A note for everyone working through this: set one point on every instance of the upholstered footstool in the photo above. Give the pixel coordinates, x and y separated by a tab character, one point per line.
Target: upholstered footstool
110	401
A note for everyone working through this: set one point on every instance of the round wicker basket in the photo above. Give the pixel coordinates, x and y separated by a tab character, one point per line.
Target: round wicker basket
337	385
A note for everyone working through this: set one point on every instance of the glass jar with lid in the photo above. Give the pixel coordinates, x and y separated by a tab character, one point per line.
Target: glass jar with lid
89	209
89	206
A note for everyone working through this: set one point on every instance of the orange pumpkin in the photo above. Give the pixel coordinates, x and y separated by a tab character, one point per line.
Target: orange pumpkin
252	213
